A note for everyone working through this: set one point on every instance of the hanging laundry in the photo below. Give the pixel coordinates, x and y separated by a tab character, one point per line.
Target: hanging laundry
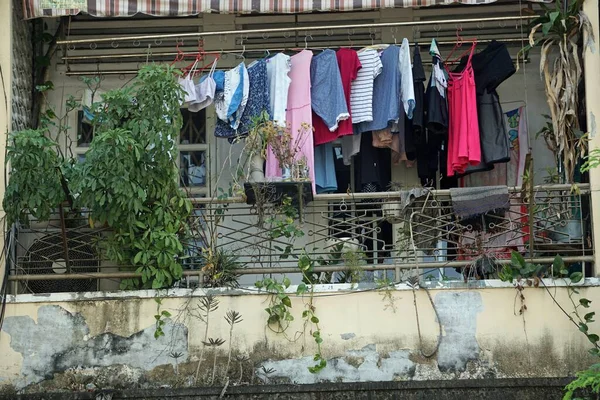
205	91
258	102
230	106
361	99
187	84
349	65
361	93
415	133
298	113
325	177
327	97
386	93
407	89
436	98
491	67
278	68
373	169
464	145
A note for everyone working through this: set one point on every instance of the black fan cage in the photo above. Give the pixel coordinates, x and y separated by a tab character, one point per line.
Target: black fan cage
47	256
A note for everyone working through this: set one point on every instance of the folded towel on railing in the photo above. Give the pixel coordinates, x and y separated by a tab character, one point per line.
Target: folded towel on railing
475	201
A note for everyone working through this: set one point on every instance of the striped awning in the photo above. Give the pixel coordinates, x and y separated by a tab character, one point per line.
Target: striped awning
173	8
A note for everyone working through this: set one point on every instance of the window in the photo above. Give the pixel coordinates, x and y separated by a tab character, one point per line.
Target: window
193	153
192	146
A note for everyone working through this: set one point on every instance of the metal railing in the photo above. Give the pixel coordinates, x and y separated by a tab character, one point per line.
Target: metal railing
347	237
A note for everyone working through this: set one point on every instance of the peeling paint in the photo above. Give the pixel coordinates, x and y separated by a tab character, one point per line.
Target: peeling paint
371	368
592	118
347	336
458	316
60	340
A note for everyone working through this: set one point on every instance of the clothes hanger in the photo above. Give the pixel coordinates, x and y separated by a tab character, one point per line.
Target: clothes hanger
306	41
180	56
459	42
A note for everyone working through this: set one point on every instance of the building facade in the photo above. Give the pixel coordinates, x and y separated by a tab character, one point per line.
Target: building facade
367	287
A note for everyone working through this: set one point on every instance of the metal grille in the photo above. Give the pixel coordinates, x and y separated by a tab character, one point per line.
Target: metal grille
387	235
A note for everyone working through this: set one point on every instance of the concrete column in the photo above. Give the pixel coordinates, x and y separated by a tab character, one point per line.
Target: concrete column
592	98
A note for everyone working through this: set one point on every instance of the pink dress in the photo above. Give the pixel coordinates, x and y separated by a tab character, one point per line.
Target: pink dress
464	146
298	111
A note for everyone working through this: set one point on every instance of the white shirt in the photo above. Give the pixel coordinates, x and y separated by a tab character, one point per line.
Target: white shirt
278	68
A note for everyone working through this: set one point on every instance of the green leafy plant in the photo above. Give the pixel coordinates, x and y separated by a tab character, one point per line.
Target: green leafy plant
160	317
35	185
588	380
220	267
310	317
581	317
214	343
205	308
280	303
232	317
129	179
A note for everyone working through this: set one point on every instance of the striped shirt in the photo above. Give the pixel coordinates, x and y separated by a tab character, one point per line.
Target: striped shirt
361	95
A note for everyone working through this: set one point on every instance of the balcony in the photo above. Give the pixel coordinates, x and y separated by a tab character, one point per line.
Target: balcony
354	238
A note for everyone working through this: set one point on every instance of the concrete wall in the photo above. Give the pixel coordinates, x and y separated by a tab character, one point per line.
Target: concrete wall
106	340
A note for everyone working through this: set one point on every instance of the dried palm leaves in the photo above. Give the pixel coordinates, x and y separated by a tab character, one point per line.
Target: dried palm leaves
561	71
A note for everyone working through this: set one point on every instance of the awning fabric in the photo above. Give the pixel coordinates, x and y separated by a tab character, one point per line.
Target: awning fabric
174	8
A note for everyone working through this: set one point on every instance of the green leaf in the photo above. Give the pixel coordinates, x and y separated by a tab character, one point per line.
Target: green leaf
589	317
314	320
166	314
576	277
583	327
593	338
302	288
585	302
286	301
286	282
558	264
517	259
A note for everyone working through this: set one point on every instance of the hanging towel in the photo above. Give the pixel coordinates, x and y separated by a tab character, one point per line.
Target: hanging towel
407	89
472	202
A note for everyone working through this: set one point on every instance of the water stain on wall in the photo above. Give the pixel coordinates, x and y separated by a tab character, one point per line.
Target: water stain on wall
59	341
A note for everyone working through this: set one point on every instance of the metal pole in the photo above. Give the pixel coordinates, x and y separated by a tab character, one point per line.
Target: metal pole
254	50
294	29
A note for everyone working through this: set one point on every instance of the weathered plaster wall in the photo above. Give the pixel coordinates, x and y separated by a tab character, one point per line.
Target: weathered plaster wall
76	341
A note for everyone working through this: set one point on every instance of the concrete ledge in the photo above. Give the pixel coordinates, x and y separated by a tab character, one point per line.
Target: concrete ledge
489	389
319	289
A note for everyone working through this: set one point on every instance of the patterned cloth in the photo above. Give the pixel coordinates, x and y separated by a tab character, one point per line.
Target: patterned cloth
258	101
180	8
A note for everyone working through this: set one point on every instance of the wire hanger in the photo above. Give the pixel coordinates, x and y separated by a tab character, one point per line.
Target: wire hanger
306	40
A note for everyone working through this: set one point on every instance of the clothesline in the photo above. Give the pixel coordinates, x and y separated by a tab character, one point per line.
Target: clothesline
263	32
378	102
260	50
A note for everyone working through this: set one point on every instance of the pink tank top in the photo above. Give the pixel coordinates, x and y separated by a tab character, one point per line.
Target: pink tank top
464	145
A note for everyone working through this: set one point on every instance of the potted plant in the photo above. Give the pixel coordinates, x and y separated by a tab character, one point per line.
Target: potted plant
295	182
255	147
286	148
560	211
